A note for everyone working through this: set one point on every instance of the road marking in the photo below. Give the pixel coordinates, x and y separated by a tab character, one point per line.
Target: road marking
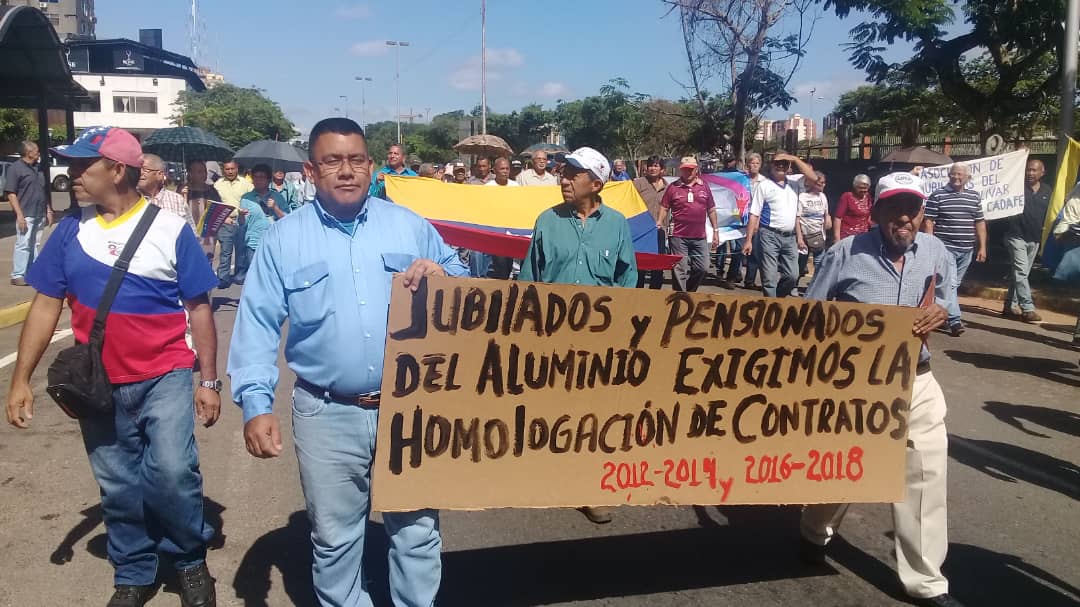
10	358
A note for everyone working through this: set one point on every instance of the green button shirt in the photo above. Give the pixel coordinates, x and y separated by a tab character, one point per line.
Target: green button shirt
598	253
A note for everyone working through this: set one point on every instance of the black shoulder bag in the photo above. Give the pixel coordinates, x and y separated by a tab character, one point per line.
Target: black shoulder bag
77	378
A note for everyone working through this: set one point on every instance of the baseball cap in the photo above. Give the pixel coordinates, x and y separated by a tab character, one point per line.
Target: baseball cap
688	162
899	183
590	160
515	163
109	142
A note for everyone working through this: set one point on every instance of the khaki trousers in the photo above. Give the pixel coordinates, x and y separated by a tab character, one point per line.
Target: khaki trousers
921	520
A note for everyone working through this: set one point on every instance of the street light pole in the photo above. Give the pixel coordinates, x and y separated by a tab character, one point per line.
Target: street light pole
483	67
397	82
363	100
345	104
1068	78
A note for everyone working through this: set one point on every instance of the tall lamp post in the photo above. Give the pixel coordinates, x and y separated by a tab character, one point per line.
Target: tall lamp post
397	81
345	104
363	100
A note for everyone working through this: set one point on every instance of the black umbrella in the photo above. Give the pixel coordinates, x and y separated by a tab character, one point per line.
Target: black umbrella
183	143
277	154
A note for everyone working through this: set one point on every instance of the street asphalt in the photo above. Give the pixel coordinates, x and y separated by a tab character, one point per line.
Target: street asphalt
1013	392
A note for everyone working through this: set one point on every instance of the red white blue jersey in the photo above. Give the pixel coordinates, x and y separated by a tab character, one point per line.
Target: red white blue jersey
144	332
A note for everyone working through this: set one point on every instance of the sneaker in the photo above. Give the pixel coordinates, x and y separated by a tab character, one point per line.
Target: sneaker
1031	316
596	514
810	553
131	596
1010	312
18	282
223	283
941	600
956	329
197	587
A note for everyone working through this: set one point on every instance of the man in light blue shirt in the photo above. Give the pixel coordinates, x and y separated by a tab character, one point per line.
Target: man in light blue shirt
327	268
395	165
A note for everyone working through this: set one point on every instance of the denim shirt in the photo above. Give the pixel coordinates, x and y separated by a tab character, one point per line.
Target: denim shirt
333	286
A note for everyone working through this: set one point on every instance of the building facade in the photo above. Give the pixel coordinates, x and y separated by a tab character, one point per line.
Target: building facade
775	130
70	18
131	85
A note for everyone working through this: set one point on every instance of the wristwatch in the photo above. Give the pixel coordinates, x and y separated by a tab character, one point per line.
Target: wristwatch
211	384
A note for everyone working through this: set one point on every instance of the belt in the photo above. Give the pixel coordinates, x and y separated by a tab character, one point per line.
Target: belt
922	368
368	399
780	232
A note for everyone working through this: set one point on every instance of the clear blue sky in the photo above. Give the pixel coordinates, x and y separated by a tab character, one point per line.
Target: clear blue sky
306	54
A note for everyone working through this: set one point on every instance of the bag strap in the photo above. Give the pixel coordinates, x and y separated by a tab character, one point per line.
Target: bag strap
97	334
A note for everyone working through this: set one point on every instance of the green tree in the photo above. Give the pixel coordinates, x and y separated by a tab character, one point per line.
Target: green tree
997	69
883	108
17	125
237	115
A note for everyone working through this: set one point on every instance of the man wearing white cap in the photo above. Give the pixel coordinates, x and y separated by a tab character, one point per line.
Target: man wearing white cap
582	241
895	264
689	200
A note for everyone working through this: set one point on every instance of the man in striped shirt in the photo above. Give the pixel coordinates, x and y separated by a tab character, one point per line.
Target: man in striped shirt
954	214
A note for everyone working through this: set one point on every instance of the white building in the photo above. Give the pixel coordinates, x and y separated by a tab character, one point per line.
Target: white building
132	85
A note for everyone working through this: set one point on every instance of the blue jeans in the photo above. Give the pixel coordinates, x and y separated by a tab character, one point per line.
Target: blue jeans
778	258
1022	254
733	249
335	445
27	245
231	237
146	463
479	264
963	261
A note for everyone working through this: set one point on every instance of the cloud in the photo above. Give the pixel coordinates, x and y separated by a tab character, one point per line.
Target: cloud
370	48
466	77
553	90
353	11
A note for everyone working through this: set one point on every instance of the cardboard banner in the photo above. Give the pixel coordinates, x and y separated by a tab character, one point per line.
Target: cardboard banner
508	394
999	180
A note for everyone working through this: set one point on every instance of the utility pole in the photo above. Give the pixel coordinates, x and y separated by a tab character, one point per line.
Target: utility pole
1068	78
363	100
345	104
397	81
483	67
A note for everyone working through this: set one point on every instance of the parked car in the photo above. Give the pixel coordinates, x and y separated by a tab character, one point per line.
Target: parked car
4	164
58	172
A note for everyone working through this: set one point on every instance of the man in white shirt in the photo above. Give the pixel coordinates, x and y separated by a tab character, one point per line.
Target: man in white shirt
538	174
770	235
494	266
502	174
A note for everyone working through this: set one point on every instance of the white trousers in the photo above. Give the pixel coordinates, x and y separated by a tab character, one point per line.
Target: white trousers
921	520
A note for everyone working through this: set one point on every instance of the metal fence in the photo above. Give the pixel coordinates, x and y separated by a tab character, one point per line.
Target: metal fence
879	146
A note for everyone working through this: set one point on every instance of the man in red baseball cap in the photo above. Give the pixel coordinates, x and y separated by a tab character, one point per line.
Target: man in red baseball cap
896	264
143	453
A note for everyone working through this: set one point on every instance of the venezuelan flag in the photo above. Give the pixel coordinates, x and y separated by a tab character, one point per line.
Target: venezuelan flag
499	220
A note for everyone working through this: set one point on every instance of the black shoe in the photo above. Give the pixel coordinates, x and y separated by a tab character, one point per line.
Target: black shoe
811	553
223	283
956	329
726	284
941	600
197	587
238	281
131	596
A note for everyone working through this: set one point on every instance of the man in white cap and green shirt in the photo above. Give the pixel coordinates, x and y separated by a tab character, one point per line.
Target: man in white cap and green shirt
895	264
582	241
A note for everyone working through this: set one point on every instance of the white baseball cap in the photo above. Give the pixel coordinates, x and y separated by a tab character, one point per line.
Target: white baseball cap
899	183
589	160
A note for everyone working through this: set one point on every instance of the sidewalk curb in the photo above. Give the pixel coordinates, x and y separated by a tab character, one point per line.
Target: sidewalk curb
13	315
1052	302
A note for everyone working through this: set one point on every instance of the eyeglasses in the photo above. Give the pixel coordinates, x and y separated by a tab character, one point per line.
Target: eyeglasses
146	170
333	164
